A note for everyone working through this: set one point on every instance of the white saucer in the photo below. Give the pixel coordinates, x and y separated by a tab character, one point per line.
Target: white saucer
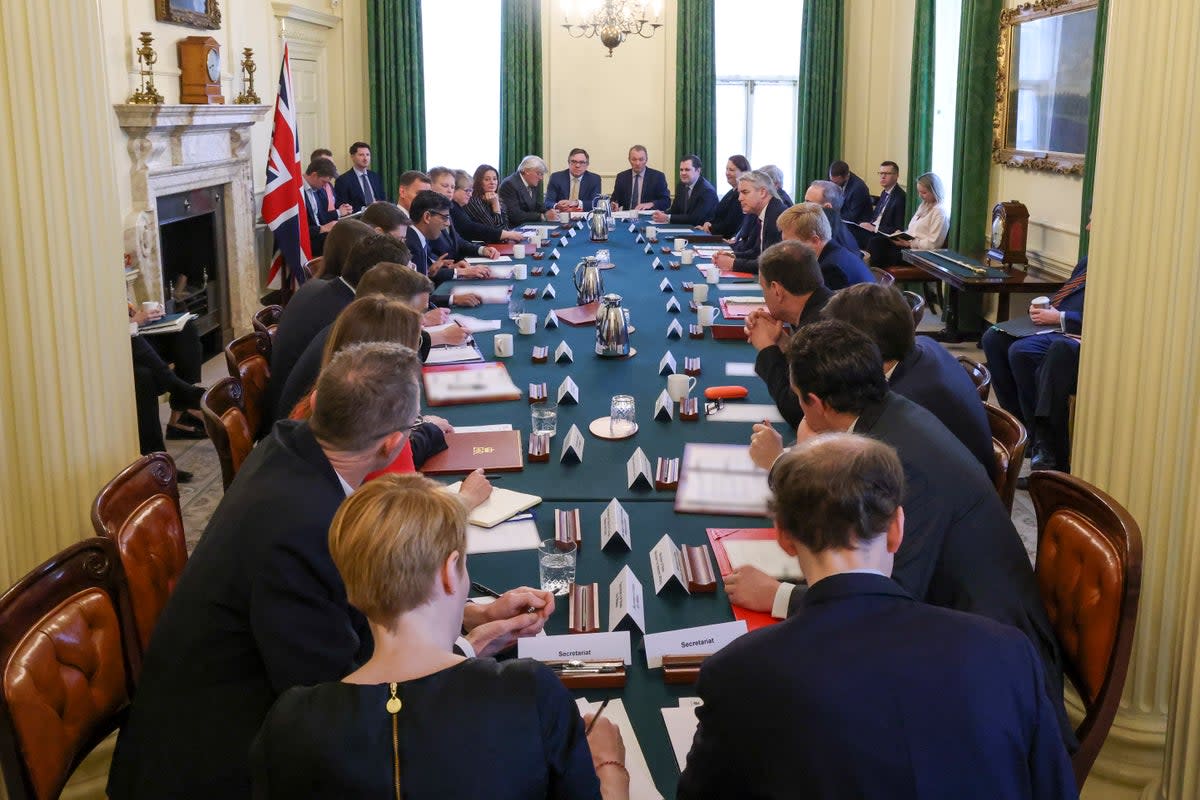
600	429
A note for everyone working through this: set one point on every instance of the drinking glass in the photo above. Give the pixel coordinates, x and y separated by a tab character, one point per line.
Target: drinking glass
516	306
556	565
622	418
545	417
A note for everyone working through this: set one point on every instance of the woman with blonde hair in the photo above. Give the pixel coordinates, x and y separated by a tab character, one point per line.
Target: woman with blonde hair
928	228
417	720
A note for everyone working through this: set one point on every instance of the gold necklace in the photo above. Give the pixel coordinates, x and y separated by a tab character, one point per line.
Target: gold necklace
393	707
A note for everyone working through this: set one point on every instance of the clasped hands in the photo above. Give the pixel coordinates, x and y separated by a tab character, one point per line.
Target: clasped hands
515	614
762	329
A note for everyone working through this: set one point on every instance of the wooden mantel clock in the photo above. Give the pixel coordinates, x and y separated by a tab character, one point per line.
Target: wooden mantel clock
1010	231
200	71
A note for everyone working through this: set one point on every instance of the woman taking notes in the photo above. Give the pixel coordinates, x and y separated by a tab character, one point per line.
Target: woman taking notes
928	227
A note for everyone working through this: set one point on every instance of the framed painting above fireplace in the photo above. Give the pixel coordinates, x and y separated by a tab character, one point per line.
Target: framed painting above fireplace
193	13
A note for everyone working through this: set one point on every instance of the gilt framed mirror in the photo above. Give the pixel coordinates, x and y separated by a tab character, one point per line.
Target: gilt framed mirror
1043	85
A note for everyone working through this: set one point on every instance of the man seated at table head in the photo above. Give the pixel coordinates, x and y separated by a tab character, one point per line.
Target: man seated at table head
760	230
807	223
776	175
695	197
260	606
795	293
574	187
450	244
520	194
640	188
430	217
881	695
916	366
961	549
412	183
856	203
829	196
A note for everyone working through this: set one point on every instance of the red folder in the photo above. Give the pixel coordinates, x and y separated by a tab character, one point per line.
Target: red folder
738	310
578	315
754	619
494	451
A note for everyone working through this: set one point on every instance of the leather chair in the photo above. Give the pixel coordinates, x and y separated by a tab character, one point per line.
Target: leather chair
69	654
917	304
226	424
139	510
883	277
1009	439
1089	572
267	320
980	375
249	360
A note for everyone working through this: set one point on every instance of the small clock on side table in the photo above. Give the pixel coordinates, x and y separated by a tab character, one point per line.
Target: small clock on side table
200	71
1010	230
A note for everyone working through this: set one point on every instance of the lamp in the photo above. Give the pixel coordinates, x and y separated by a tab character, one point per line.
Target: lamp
612	20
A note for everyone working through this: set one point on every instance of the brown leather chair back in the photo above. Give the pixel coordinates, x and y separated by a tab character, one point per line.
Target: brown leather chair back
1009	438
917	303
980	375
1089	572
249	360
226	424
266	319
883	277
69	654
139	510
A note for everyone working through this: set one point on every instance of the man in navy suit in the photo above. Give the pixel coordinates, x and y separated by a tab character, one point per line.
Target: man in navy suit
695	197
856	202
574	187
430	217
359	187
640	188
449	243
961	550
520	193
317	177
760	228
867	692
828	195
808	223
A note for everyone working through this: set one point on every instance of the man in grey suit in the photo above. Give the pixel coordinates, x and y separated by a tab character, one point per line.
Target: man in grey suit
521	193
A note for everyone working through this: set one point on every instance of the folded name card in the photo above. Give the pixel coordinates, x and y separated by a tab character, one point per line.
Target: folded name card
551	319
554	254
613	646
673	306
664	407
568	391
701	640
657	263
548	292
637	470
553	267
666	565
666	285
626	610
633	227
562	242
614	525
571	233
563	353
674	330
667	365
572	451
649	250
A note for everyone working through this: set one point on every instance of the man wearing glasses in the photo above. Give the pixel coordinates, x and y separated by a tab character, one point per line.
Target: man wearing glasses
574	187
888	213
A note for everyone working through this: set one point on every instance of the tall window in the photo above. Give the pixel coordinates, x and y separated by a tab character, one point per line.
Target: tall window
945	89
461	43
758	74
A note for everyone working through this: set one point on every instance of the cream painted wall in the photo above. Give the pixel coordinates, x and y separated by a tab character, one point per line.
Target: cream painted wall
877	72
606	105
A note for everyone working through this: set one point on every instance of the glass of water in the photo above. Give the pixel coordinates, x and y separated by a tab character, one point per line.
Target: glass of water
622	418
516	306
545	417
556	565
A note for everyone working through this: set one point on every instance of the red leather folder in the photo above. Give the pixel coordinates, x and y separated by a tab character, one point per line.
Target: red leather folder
753	619
493	451
578	315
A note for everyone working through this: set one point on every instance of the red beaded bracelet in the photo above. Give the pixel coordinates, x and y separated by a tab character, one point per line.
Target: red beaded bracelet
616	764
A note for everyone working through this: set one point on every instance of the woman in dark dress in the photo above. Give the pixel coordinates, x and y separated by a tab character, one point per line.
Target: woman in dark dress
417	720
727	219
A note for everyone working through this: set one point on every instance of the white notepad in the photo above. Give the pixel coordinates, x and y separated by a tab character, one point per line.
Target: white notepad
745	412
721	479
453	354
520	534
764	554
681	725
502	504
641	784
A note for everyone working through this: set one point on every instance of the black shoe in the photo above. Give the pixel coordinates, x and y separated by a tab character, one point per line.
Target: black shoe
184	432
1023	483
1043	457
183	476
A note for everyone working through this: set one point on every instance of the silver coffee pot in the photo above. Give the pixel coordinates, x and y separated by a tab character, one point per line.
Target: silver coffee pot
589	285
601	216
612	328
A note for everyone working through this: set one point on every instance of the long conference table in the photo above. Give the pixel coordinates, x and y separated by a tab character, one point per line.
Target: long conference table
590	485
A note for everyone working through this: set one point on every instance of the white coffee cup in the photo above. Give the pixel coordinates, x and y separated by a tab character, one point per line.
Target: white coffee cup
706	314
502	344
700	292
651	232
714	275
518	251
679	386
152	307
688	256
1037	302
527	323
520	272
680	245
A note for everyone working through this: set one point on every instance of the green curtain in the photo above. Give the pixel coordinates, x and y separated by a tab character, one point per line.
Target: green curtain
920	99
974	108
520	82
819	104
396	81
1089	167
696	86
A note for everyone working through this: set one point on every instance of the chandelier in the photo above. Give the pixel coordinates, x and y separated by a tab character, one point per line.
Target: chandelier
612	20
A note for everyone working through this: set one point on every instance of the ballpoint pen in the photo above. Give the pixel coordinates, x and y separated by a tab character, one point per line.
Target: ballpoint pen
596	716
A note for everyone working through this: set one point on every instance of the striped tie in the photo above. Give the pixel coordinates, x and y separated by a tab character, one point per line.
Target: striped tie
1067	288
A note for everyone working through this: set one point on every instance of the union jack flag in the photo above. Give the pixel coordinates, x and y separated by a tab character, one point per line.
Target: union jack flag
283	202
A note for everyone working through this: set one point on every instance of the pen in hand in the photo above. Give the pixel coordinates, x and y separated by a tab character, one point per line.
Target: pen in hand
596	716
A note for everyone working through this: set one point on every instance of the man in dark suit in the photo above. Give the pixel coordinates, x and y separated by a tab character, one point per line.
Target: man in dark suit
808	223
574	187
776	175
317	178
260	607
521	195
889	211
449	243
695	197
795	292
917	367
961	550
856	202
828	195
640	187
760	230
430	217
883	696
359	186
315	306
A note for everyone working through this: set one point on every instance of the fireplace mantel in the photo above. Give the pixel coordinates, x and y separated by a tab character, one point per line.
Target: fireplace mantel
178	148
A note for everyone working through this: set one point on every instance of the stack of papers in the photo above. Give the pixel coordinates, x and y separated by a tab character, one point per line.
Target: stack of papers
468	383
681	727
519	533
454	354
496	260
641	784
488	294
721	479
171	323
764	554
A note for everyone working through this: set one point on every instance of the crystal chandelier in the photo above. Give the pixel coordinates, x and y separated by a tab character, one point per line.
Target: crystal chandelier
611	20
